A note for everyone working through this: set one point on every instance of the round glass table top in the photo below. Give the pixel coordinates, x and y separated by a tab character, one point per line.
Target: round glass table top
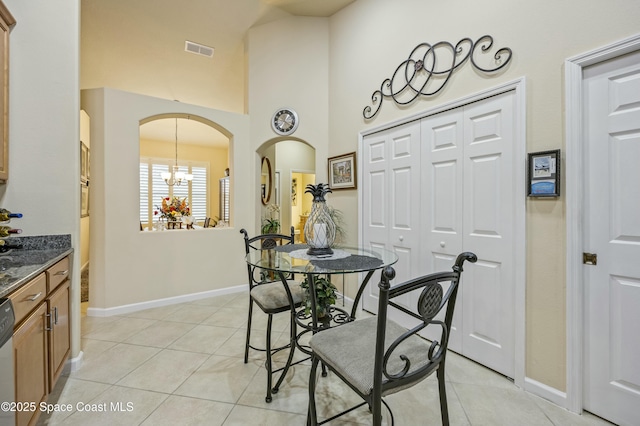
293	258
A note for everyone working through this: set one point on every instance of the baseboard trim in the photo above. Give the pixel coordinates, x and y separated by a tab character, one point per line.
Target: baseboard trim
135	307
544	391
76	363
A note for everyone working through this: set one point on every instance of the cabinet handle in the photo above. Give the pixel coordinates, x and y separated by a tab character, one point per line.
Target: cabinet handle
55	315
62	272
34	297
50	326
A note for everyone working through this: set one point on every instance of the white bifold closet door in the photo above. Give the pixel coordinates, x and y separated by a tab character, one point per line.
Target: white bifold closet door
459	197
391	203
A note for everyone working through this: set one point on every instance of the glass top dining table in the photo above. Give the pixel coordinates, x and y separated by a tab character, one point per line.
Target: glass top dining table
291	259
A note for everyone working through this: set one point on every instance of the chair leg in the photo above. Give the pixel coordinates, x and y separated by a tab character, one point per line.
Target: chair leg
292	349
246	347
376	411
268	362
444	411
312	418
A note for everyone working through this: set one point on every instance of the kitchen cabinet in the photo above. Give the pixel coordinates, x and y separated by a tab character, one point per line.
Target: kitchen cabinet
31	359
6	22
59	339
41	340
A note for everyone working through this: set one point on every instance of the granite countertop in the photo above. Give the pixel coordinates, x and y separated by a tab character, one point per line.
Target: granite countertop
19	266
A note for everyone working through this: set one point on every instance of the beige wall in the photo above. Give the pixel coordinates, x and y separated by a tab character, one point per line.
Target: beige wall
369	39
129	266
218	159
299	80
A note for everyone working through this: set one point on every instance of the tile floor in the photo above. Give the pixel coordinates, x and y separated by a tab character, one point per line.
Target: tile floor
183	365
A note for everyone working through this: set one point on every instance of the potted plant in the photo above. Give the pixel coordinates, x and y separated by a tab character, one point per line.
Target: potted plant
270	226
325	295
338	219
271	221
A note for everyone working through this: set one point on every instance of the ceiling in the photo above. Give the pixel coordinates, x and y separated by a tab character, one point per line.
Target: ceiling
139	46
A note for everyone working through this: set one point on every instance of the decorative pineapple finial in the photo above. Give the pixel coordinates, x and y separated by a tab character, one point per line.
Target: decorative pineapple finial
318	191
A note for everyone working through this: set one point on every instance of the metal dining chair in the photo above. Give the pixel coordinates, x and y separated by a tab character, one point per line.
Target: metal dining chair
272	296
376	357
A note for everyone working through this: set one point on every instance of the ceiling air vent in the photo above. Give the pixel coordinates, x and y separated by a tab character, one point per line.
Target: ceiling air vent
198	49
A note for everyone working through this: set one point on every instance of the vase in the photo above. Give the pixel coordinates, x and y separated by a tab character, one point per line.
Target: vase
320	230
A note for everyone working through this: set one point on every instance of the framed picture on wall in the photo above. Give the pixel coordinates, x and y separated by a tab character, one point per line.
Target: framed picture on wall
342	171
84	157
543	174
84	200
294	191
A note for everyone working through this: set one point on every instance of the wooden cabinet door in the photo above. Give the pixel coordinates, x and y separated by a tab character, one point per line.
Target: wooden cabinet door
59	341
6	22
30	353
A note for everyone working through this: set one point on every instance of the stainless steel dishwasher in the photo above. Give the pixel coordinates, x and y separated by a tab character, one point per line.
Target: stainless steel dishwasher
7	377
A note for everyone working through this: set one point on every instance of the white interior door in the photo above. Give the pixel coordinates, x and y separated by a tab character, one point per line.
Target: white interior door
441	195
612	231
489	201
391	161
468	198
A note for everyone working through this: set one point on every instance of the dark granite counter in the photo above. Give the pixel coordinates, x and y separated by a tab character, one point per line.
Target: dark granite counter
19	266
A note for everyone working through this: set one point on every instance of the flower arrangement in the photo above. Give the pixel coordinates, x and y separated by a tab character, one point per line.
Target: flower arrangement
172	208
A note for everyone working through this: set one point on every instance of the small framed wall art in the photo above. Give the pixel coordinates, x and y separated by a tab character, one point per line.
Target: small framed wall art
543	174
84	162
342	171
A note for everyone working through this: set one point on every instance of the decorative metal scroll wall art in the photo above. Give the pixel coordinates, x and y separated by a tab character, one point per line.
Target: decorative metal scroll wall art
421	73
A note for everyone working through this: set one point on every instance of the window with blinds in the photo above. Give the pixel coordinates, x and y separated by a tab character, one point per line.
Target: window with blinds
153	188
199	192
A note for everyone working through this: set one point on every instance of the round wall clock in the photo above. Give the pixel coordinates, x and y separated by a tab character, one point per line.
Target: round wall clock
284	121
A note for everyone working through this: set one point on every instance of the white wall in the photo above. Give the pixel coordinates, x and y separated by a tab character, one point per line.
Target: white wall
129	266
44	127
370	38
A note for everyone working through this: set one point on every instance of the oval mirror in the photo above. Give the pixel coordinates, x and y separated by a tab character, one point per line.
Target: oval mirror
266	180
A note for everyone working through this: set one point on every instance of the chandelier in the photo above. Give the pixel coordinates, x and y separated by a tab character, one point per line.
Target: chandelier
176	177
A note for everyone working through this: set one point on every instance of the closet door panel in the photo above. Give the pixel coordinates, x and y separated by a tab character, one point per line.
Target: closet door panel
489	197
441	195
391	202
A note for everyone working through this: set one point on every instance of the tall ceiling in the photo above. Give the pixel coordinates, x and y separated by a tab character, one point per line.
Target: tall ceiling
139	46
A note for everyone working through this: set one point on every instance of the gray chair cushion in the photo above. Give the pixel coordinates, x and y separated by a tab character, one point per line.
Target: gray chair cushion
273	297
350	350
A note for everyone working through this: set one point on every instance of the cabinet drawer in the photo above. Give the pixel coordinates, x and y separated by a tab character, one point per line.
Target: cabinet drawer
28	297
57	274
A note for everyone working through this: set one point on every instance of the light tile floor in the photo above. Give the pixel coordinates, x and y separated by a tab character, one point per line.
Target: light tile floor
183	365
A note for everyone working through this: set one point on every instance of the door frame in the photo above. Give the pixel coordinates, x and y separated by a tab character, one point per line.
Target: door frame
574	159
519	232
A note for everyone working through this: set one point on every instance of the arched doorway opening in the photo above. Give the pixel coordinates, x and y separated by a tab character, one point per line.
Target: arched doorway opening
200	150
293	167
